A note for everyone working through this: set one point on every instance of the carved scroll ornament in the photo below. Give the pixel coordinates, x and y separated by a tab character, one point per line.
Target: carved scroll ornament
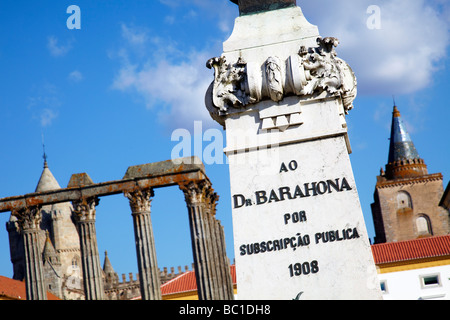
309	73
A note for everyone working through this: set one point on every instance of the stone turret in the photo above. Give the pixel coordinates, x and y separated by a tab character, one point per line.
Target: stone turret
59	243
404	160
47	181
406	197
111	278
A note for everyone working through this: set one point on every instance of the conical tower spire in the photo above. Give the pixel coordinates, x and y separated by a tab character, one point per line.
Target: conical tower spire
107	266
47	181
49	249
401	146
111	278
404	160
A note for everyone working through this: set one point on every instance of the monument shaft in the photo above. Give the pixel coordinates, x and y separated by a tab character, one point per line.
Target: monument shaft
282	95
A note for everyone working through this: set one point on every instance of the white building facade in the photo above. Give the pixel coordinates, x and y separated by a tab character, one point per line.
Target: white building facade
415	269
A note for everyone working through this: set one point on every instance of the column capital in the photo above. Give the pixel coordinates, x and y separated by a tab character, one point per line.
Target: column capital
213	199
140	199
28	218
198	192
84	209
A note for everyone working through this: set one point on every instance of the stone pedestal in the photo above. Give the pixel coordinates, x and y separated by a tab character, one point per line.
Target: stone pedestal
282	95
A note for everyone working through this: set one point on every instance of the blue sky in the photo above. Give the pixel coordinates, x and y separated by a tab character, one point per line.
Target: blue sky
109	96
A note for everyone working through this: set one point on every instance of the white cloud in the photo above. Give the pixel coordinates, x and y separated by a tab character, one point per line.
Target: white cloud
175	91
75	76
44	104
56	49
134	35
399	58
47	116
171	80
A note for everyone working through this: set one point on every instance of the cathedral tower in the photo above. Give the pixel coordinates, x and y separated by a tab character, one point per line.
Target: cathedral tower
59	243
406	198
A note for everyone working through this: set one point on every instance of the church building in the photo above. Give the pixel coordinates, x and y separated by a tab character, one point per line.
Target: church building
407	197
412	224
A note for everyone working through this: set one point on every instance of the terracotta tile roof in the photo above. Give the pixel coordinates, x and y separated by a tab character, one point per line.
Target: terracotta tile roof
14	289
413	249
186	282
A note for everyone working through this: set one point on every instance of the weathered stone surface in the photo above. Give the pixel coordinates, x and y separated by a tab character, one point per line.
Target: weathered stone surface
47	181
80	180
164	167
160	174
207	234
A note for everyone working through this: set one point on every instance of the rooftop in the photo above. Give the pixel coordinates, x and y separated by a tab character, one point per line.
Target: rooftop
15	290
187	283
423	248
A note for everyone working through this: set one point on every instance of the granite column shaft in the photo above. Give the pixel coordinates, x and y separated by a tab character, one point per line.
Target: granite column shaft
29	220
200	201
150	284
84	215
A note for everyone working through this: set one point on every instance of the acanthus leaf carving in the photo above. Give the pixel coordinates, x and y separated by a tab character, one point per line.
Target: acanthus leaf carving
84	209
28	218
140	200
197	192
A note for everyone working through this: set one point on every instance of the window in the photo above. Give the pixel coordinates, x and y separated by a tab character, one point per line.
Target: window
430	281
383	286
423	225
404	200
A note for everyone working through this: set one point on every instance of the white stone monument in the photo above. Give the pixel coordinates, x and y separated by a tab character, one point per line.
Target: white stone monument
282	95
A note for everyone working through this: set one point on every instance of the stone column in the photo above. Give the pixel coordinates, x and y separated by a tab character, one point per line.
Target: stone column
201	201
194	194
84	216
221	267
140	203
29	220
226	284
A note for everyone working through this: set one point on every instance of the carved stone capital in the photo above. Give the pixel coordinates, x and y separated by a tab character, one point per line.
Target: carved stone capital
28	218
140	200
84	209
197	193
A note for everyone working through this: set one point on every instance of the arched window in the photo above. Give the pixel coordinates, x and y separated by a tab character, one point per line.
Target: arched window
404	200
423	224
75	266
